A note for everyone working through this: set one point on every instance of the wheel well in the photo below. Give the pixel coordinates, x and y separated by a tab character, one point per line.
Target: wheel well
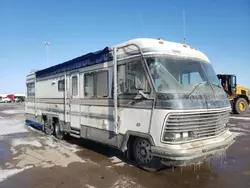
244	97
54	120
48	119
130	142
129	151
44	118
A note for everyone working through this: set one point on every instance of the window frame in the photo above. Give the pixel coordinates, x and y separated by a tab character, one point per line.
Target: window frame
94	73
84	85
126	63
58	84
72	89
30	86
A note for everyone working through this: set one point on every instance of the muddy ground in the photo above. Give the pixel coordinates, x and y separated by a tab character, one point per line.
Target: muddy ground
30	159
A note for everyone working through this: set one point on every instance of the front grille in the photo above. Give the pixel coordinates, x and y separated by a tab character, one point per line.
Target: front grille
197	125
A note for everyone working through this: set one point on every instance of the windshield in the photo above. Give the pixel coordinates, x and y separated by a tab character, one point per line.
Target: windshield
182	75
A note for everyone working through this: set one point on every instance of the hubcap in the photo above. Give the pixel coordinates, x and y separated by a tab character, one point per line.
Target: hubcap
49	129
242	106
143	151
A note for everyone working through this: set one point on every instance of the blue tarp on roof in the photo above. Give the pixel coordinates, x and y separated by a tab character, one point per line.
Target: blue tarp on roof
79	62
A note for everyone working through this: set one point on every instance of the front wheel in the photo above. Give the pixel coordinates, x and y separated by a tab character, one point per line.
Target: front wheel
240	106
143	155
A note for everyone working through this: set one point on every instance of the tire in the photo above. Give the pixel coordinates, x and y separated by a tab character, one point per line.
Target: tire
240	106
58	133
48	128
143	156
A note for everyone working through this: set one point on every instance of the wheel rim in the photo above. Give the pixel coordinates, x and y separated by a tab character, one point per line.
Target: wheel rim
242	106
49	129
143	151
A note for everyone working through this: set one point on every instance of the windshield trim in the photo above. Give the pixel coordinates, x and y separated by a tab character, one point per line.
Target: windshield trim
172	56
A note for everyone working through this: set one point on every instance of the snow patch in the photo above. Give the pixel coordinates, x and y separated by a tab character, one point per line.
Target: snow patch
7	127
115	159
71	147
241	118
53	142
12	149
5	173
125	182
231	125
50	142
239	134
25	141
90	186
46	157
13	111
117	164
239	129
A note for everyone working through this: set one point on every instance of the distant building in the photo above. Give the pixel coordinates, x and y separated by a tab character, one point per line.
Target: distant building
15	94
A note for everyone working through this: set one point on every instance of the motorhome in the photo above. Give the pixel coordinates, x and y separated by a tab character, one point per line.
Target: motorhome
157	101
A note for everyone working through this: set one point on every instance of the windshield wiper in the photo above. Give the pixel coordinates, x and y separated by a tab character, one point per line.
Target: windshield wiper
197	85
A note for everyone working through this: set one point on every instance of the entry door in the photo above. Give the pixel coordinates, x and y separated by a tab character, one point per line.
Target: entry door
74	101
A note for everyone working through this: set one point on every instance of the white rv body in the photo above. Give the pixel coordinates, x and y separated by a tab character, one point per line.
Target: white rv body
82	100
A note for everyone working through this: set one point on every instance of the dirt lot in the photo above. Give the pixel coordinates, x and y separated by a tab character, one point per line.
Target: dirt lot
30	159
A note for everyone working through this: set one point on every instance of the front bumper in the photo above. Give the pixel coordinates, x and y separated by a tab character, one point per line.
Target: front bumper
195	151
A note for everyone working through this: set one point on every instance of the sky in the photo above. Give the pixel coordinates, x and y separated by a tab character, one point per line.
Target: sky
220	29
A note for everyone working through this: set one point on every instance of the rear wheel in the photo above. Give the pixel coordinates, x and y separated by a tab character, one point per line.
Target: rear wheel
240	106
48	127
143	155
58	133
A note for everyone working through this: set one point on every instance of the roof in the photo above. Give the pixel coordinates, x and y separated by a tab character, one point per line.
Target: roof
146	44
165	47
82	61
225	75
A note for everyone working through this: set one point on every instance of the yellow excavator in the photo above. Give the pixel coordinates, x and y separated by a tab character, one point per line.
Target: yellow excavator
239	96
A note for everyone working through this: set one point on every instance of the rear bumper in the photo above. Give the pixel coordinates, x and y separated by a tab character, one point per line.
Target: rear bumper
194	152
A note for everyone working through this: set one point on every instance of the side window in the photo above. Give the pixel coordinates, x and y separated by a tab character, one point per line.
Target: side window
74	85
102	84
61	85
132	77
96	84
89	85
121	79
30	89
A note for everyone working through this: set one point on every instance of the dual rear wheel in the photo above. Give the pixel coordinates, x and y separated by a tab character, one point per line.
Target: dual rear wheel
141	148
53	128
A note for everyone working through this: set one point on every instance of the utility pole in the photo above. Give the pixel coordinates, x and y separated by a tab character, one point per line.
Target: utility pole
47	53
184	27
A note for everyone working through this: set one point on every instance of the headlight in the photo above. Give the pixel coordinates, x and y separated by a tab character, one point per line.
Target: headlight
184	134
175	136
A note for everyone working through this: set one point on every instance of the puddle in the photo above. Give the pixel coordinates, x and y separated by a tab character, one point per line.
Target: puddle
5	152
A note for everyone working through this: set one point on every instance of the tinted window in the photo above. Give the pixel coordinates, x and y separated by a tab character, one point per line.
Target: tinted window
89	85
74	85
61	85
132	77
31	89
96	84
102	84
